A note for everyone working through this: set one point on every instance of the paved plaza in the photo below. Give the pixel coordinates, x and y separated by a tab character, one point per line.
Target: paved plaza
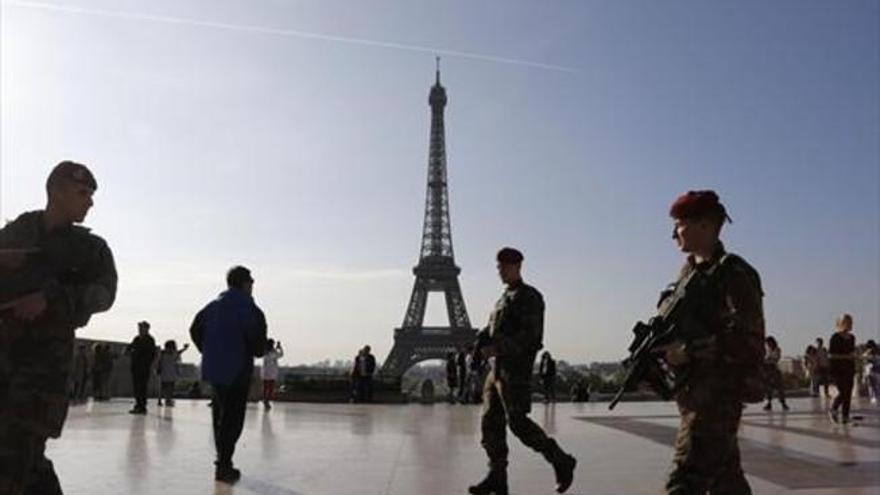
338	449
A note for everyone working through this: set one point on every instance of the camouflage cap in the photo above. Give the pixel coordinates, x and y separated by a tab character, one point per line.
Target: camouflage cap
509	255
71	172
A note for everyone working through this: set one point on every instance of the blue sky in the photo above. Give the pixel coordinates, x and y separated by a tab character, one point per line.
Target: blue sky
292	136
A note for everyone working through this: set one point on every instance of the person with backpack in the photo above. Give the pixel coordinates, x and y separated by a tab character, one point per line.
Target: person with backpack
721	372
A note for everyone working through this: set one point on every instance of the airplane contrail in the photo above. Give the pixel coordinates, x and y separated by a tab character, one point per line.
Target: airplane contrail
283	32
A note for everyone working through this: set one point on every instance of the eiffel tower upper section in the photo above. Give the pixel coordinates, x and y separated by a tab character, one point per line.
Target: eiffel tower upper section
437	231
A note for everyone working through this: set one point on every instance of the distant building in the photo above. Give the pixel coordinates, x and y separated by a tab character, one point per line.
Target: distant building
605	370
793	365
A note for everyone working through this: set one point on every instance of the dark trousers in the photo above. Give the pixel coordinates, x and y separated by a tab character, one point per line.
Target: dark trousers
822	379
507	403
24	468
168	392
227	413
707	458
365	389
268	390
549	385
774	383
462	385
140	377
844	383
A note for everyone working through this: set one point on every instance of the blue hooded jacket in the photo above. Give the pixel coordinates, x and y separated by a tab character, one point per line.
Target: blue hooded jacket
229	332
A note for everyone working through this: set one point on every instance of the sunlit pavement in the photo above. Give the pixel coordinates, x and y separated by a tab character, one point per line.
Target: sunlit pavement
420	449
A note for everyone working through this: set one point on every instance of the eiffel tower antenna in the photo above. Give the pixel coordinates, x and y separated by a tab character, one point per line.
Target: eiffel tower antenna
436	270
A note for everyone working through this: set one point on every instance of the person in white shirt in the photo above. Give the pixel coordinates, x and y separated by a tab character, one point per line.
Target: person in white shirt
274	352
169	359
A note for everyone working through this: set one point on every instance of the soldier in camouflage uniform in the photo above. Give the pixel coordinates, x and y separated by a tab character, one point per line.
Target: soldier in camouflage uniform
55	275
717	374
511	342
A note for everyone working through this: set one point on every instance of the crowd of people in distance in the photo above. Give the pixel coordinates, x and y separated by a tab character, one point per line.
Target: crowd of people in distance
465	370
94	370
844	364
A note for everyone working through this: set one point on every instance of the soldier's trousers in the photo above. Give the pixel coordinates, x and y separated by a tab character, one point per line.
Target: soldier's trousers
707	456
507	403
24	469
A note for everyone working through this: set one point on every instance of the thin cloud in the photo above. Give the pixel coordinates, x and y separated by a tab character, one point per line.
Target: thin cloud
137	16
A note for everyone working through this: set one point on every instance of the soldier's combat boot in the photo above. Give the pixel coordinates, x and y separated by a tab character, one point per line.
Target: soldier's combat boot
563	466
495	483
226	474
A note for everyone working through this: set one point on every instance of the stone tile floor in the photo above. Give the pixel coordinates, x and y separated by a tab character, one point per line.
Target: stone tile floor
339	449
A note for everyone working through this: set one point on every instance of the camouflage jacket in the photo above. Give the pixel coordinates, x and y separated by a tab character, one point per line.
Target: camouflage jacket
76	272
516	328
717	370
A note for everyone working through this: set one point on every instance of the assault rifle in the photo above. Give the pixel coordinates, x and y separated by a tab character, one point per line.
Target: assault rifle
678	319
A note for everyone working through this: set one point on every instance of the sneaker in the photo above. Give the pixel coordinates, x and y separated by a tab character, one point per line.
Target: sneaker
138	410
768	407
227	474
494	483
785	406
844	420
832	415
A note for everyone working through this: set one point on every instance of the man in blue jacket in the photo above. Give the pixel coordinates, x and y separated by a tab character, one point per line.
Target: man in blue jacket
229	332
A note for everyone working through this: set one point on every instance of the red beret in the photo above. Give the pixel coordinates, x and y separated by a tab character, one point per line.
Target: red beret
697	204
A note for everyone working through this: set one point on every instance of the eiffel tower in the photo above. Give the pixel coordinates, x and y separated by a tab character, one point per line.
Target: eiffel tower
436	270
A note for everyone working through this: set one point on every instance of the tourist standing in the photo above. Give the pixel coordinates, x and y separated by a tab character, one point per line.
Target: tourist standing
547	374
355	375
143	352
366	369
841	351
452	376
823	366
80	373
169	360
229	332
810	368
773	374
461	370
102	370
476	367
269	372
872	360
